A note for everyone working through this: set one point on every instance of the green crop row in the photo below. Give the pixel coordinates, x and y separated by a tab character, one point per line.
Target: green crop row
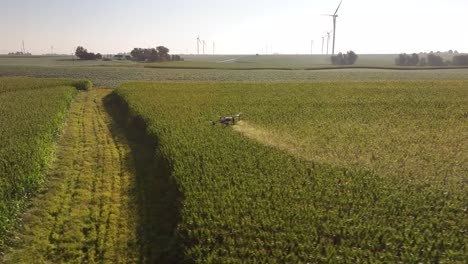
246	201
32	112
14	84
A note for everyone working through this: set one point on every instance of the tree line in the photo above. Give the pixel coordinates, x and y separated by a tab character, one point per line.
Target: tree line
83	54
159	53
432	59
344	59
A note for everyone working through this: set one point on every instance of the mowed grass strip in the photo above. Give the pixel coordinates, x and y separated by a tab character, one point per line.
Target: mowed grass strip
86	214
247	202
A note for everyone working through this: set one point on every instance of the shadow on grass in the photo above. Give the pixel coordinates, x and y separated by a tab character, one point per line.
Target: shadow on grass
156	194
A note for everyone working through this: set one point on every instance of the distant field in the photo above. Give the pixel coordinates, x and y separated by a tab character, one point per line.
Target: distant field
218	68
315	172
276	61
291	62
113	76
56	61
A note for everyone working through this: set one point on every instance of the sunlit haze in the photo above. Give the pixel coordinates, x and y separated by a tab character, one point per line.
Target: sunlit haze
236	27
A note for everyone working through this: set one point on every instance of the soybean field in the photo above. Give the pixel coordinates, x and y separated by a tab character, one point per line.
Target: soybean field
203	69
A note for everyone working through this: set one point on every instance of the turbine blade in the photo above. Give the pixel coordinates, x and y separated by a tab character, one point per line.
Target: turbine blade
338	7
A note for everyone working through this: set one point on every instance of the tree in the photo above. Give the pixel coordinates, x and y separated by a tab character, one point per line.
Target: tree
83	54
159	53
407	60
344	59
460	60
80	52
176	58
423	62
434	60
163	52
152	55
137	54
414	60
402	60
352	57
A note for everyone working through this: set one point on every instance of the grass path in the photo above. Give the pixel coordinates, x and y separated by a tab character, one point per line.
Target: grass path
86	213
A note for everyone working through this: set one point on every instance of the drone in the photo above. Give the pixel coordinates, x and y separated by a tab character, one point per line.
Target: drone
228	120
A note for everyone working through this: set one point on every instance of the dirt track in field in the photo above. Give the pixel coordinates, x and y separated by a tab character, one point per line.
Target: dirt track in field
86	213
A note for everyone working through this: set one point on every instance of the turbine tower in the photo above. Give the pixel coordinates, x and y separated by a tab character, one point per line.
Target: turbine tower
204	44
323	41
335	15
198	45
328	40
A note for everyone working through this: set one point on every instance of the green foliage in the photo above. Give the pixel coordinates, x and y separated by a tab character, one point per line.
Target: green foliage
84	85
407	60
460	60
31	115
87	214
344	59
159	53
434	60
83	54
252	203
14	84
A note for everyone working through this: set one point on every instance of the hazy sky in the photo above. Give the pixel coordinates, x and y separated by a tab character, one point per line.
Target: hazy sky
237	27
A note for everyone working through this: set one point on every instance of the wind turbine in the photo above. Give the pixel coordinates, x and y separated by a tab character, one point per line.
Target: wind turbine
335	15
328	40
323	40
198	45
204	44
